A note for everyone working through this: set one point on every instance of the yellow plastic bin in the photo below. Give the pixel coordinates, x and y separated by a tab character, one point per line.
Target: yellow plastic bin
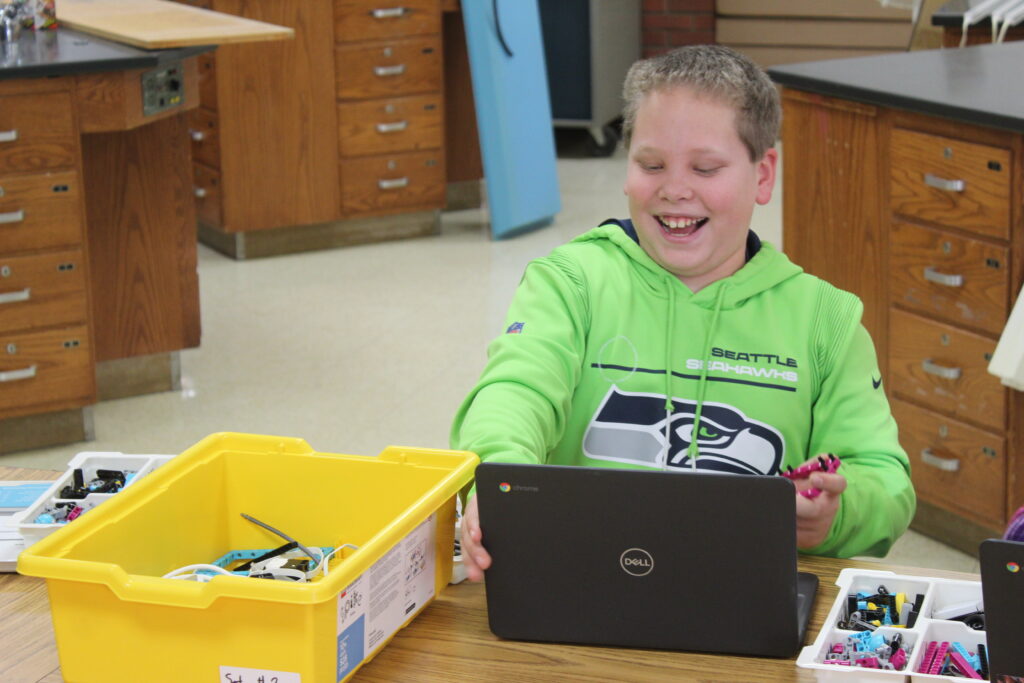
115	619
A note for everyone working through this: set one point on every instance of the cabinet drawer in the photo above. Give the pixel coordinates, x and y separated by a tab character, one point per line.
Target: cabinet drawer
207	66
205	133
40	290
953	465
945	368
962	280
398	67
375	184
54	366
393	125
361	20
40	210
951	182
37	133
208	195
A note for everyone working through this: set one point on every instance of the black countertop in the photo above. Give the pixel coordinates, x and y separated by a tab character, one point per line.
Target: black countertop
62	52
979	84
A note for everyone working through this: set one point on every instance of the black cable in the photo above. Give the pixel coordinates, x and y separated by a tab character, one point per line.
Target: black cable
497	26
282	535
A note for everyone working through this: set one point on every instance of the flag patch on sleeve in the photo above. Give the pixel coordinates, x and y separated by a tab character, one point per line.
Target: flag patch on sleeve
515	328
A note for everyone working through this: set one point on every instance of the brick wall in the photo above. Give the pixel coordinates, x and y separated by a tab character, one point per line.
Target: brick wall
670	23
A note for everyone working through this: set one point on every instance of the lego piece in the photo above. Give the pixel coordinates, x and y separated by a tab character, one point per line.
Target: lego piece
940	657
928	658
962	666
959	648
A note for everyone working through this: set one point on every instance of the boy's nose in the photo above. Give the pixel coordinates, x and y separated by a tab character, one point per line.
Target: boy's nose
675	189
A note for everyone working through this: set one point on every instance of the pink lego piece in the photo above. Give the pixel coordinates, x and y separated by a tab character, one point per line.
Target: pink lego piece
940	657
929	657
961	664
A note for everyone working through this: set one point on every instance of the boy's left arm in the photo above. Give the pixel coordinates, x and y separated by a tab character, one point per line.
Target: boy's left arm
852	419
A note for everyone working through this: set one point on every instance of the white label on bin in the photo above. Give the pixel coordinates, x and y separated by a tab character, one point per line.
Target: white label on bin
236	674
373	607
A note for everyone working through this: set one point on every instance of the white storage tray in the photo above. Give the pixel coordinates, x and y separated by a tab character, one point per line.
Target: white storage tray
89	462
941	597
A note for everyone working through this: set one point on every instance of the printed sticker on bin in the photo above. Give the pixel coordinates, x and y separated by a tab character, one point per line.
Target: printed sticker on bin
374	606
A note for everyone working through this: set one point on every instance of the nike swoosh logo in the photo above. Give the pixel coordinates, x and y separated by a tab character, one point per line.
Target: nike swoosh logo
876	382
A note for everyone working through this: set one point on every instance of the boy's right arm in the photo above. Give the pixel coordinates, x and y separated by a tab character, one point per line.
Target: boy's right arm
518	409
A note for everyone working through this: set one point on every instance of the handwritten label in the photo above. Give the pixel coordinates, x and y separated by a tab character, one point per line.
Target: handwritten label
236	674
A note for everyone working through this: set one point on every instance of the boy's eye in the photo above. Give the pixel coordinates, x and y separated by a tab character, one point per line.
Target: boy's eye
650	167
706	171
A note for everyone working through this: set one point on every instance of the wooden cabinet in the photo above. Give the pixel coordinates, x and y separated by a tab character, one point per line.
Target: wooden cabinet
46	350
298	143
98	280
935	208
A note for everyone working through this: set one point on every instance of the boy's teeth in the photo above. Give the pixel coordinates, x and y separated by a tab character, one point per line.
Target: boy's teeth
680	222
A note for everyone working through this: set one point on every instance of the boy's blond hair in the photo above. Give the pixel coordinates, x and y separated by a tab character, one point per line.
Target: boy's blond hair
716	71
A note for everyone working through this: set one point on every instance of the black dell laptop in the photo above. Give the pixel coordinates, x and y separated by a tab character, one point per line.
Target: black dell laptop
1002	586
682	561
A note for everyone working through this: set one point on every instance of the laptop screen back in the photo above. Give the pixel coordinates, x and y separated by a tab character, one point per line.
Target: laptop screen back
690	561
1002	584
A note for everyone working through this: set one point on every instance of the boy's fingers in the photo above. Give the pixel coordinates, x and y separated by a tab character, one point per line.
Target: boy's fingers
832	483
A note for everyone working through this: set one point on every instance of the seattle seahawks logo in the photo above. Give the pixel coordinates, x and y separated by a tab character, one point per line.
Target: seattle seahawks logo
630	428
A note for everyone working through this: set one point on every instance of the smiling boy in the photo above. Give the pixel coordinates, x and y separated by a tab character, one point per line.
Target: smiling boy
677	339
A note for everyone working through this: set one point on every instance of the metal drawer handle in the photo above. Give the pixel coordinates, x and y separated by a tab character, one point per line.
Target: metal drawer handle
940	370
396	70
8	135
389	12
12	216
393	184
13	297
944	464
938	278
933	180
15	375
395	127
199	192
197	135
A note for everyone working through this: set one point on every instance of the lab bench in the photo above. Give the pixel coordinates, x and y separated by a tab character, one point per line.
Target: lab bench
366	124
902	183
98	275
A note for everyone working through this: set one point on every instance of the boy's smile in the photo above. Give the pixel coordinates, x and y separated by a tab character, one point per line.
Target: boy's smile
691	185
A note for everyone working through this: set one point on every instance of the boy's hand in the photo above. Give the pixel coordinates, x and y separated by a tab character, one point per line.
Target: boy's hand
474	557
814	516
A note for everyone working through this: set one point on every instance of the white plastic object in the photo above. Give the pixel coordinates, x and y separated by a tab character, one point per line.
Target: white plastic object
941	597
1008	360
88	462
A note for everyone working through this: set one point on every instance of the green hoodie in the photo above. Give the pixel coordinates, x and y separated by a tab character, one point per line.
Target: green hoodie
603	364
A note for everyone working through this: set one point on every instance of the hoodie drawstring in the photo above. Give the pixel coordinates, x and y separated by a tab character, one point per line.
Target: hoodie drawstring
693	452
669	407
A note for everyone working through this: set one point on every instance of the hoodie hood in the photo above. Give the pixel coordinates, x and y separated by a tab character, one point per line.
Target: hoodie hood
765	268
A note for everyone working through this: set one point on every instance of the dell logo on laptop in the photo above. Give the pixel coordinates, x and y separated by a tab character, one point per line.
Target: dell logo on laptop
637	562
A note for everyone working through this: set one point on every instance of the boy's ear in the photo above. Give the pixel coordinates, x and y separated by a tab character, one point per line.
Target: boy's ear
766	176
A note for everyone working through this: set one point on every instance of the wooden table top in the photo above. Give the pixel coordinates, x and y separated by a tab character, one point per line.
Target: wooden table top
450	640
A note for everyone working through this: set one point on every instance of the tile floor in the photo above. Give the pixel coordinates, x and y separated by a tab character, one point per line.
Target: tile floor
358	348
